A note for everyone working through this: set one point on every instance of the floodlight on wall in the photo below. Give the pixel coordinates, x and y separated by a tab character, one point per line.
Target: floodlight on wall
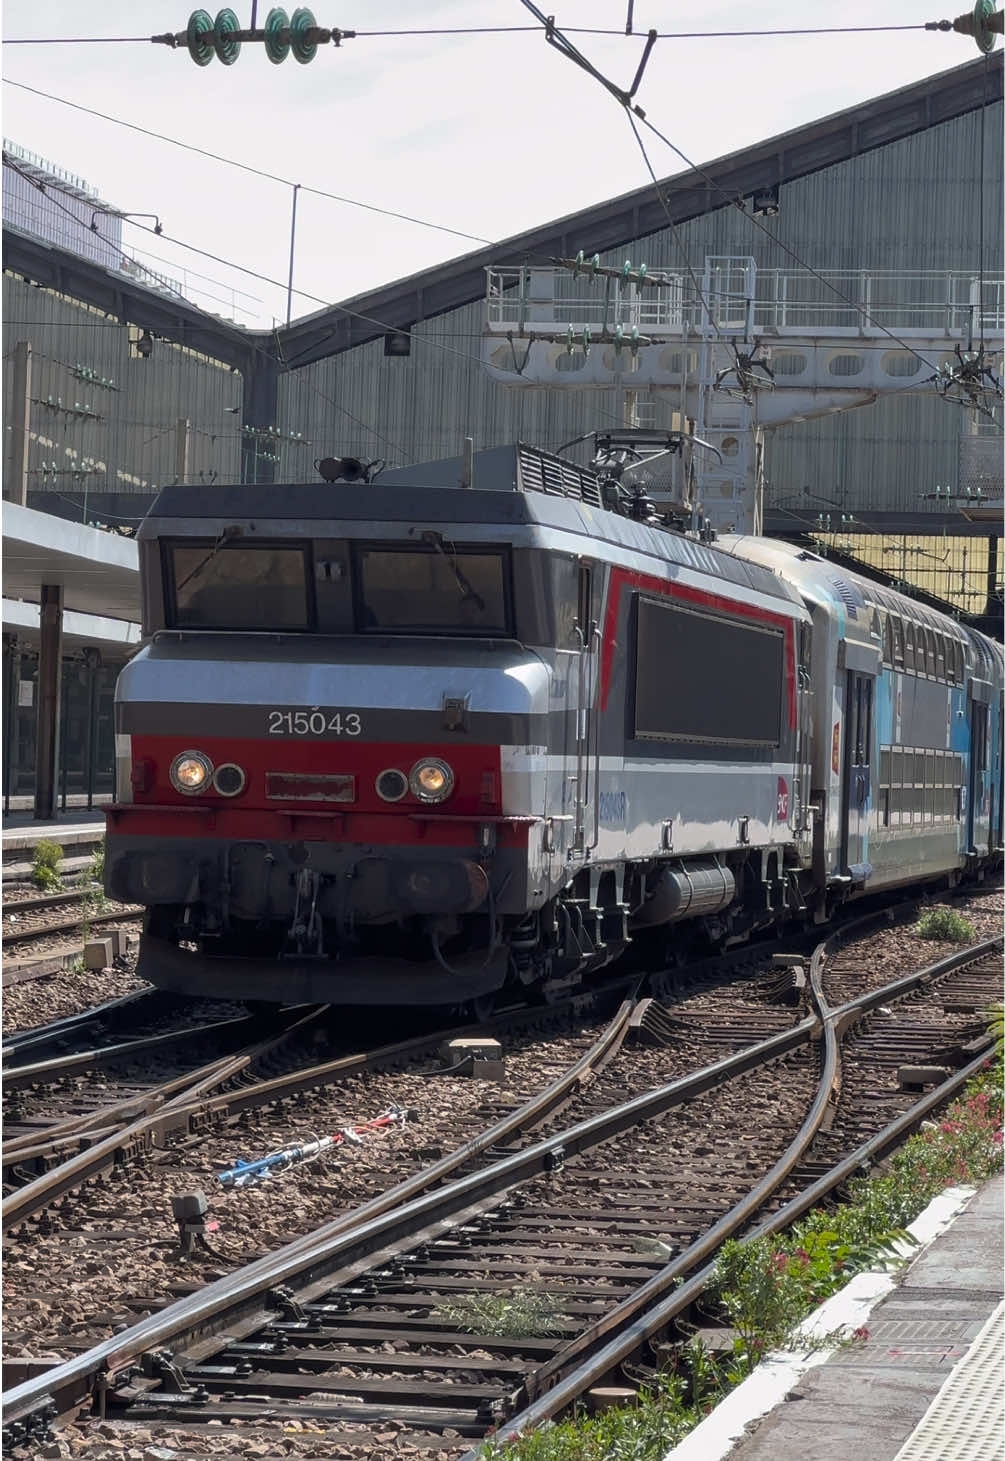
766	203
398	344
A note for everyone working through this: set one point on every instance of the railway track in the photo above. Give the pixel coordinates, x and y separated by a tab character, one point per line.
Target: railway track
103	1021
22	924
45	1163
353	1322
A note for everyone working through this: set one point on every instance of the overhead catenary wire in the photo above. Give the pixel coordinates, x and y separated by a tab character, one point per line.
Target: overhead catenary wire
493	30
246	166
556	38
673	226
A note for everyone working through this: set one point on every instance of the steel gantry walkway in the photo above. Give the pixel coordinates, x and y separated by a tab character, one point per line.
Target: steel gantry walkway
738	350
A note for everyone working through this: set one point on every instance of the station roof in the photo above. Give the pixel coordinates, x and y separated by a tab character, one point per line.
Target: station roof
400	304
98	571
114	637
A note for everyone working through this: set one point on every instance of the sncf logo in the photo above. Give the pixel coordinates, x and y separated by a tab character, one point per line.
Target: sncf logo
782	803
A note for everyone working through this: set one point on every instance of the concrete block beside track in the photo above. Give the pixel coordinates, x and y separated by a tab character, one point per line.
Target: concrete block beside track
98	953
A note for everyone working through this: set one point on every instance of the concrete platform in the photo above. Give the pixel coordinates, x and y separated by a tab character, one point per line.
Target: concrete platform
77	830
926	1385
72	827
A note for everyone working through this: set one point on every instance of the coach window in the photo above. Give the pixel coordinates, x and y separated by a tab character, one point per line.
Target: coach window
909	645
929	652
960	657
260	586
897	628
940	657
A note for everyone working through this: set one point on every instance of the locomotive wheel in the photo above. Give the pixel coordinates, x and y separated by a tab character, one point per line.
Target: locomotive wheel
479	1009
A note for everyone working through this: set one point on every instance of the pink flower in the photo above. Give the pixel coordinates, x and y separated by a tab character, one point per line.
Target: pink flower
860	1333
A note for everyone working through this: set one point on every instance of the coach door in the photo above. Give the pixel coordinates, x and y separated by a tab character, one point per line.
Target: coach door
581	770
856	794
978	830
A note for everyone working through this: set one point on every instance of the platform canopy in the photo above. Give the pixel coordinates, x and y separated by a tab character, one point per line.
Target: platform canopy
97	571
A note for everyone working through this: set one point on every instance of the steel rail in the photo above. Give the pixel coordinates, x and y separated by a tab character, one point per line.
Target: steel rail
68	1133
106	1154
569	1388
240	1299
616	1319
63	1029
16	1077
67	925
39	901
173	1106
334	1248
835	1022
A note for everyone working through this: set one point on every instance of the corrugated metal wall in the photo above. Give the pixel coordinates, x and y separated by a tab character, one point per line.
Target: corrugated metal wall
120	437
913	205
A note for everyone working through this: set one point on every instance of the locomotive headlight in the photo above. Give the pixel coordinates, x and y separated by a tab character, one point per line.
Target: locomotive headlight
190	772
431	780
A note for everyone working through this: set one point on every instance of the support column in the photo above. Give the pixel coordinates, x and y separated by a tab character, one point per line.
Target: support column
12	669
15	487
50	669
261	392
993	594
181	443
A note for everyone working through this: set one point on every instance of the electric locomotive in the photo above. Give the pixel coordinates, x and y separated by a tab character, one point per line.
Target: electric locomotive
410	740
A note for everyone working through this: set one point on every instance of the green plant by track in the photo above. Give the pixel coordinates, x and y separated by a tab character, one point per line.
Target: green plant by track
90	885
45	865
520	1312
946	925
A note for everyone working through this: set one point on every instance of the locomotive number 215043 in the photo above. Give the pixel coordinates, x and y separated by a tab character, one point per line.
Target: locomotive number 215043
315	722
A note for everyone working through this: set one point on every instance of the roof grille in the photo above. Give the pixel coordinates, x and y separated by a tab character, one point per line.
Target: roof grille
542	472
847	596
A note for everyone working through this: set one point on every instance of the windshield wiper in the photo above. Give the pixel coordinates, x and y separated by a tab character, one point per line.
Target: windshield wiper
228	534
468	591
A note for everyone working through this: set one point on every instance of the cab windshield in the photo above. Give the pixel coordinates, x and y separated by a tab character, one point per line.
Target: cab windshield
439	589
238	586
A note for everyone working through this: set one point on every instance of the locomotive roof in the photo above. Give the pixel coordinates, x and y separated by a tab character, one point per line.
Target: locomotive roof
515	488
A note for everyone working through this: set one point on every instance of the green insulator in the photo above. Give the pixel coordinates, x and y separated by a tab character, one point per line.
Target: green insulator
277	49
570	339
200	24
227	50
587	337
619	339
626	271
983	34
594	265
303	49
579	265
635	336
641	276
